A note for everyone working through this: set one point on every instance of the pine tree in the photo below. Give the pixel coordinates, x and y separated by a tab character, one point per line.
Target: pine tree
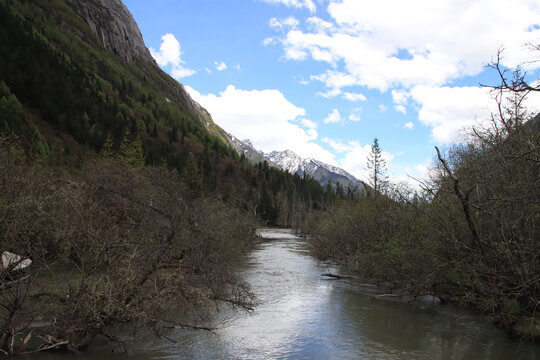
131	151
191	176
340	193
107	150
377	166
135	157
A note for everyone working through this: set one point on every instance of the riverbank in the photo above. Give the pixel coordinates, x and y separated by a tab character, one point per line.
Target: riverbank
111	244
387	242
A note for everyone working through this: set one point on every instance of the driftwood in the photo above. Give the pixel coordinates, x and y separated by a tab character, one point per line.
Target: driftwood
335	276
175	324
390	295
50	343
240	303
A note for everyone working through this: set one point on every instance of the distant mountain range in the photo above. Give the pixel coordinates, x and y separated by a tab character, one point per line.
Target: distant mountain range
293	163
323	173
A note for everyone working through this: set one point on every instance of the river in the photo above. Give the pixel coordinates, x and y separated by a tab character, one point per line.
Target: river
303	315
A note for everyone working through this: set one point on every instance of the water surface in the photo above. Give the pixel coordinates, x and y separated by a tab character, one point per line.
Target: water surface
303	315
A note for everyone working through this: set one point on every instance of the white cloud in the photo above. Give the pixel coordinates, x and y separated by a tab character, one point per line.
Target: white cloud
330	94
309	124
266	118
332	78
179	72
449	111
270	41
334	92
452	111
401	109
170	54
355	161
414	175
169	51
400	97
284	24
354	96
319	25
312	134
409	125
356	114
421	171
220	65
337	145
385	45
308	4
333	117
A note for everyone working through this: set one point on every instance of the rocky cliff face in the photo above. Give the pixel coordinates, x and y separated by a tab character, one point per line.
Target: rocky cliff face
253	155
117	31
114	26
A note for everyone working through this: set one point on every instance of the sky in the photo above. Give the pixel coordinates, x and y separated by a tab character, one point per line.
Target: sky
325	77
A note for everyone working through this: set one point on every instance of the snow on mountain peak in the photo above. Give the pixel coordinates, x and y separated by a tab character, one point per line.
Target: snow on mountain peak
290	161
248	143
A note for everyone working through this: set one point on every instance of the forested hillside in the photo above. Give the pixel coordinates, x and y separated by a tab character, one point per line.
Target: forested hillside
65	96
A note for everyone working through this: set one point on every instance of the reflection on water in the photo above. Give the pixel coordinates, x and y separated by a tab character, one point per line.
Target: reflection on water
301	315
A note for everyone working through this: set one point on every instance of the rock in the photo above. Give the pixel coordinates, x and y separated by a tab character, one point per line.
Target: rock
427	300
115	27
13	262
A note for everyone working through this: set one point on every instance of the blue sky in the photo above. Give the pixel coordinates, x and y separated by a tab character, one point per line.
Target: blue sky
325	77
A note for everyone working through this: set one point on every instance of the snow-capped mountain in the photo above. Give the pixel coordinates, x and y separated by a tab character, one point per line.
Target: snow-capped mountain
290	161
246	148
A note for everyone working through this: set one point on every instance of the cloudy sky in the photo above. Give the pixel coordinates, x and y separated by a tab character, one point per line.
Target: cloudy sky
325	77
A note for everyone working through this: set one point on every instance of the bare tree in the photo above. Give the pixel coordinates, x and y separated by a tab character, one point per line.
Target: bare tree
495	182
513	80
113	245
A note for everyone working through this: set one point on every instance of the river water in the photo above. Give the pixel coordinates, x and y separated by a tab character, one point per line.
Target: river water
303	315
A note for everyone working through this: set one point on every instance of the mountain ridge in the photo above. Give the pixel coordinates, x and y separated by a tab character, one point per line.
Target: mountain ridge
320	171
290	161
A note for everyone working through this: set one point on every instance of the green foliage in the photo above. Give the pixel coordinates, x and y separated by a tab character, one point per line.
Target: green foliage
154	132
131	151
13	122
285	198
191	175
107	150
98	91
11	112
